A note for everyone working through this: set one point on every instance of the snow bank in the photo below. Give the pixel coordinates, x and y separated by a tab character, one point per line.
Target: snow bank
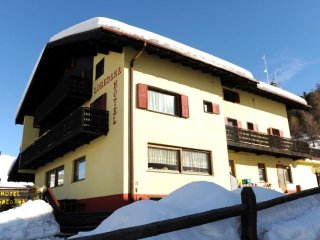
32	220
297	220
262	194
294	220
192	198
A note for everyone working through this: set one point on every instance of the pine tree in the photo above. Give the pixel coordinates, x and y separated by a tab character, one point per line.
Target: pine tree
307	123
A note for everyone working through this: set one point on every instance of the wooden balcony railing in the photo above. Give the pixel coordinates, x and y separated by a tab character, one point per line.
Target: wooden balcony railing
260	143
70	94
80	127
315	153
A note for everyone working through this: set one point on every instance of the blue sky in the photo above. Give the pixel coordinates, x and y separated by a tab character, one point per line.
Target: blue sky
241	32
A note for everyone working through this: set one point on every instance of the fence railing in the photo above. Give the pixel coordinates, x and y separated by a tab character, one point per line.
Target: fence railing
247	211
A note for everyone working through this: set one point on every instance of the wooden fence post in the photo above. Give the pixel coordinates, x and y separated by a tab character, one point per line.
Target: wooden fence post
249	218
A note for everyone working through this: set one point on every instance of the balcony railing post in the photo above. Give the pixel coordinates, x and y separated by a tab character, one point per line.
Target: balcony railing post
249	218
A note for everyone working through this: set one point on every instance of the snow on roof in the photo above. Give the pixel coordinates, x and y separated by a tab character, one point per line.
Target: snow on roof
282	93
163	42
29	82
153	38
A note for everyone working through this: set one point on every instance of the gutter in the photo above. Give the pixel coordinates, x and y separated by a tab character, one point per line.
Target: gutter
131	145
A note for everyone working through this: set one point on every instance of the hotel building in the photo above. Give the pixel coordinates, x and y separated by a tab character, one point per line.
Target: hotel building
114	114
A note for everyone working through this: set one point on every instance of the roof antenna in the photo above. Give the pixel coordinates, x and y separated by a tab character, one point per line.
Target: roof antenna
274	81
266	68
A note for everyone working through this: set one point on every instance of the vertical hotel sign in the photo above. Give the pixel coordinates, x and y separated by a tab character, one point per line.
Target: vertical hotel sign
112	78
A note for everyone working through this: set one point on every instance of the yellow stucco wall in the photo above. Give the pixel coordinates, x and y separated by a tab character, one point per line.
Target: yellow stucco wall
200	131
104	155
29	134
246	166
258	110
303	175
107	167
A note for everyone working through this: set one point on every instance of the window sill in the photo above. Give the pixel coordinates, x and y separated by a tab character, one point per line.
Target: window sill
56	186
80	180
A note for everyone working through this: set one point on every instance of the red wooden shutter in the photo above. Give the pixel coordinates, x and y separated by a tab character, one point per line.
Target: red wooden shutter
255	128
215	108
270	131
239	124
142	95
281	133
184	106
226	122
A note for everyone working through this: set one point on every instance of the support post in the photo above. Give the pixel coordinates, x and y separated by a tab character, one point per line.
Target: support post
249	218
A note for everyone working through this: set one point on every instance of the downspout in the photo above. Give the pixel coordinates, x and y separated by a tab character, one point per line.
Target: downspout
131	152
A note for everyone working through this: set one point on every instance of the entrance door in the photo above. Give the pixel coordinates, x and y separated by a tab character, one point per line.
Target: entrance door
284	176
232	168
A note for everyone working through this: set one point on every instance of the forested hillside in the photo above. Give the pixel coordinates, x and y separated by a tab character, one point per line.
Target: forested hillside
307	123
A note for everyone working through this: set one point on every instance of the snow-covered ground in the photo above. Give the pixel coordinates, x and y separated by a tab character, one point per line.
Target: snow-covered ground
298	219
32	220
293	220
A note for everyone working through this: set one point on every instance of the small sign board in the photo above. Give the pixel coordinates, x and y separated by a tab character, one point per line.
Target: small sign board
11	197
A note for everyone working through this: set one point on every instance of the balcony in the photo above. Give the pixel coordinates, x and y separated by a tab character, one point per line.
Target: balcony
79	128
260	143
315	153
70	94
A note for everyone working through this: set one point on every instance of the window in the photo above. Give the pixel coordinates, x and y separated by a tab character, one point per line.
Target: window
232	122
275	132
250	126
158	100
178	159
55	177
287	173
262	172
162	102
210	107
163	158
79	169
100	68
231	96
207	107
